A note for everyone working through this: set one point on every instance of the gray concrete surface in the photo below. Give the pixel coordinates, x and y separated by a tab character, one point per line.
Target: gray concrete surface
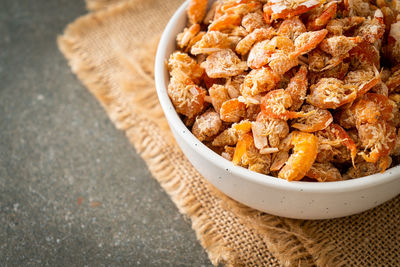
73	192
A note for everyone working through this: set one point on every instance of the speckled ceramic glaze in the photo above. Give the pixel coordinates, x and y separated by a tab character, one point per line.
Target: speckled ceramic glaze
301	200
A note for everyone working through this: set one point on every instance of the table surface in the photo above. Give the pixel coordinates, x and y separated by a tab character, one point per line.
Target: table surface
73	191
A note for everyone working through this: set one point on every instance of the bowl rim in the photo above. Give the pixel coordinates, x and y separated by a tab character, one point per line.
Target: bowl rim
214	158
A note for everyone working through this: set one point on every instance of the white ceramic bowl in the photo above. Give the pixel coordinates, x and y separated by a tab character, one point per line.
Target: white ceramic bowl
300	200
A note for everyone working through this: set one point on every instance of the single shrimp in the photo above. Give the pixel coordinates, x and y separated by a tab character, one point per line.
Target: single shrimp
197	10
187	65
292	28
297	88
324	172
184	38
318	21
223	64
228	137
362	111
305	149
331	93
339	46
268	133
371	108
317	121
363	79
275	105
377	139
187	97
244	46
281	62
229	7
282	9
278	53
262	52
206	125
259	81
275	129
232	110
308	41
213	42
219	95
226	22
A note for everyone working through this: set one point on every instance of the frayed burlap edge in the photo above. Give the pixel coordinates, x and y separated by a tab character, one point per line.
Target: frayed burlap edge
287	239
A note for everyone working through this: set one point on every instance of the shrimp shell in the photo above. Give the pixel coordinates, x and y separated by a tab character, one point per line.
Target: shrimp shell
305	149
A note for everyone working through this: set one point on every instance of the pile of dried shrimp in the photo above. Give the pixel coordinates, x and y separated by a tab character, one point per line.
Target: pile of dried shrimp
297	89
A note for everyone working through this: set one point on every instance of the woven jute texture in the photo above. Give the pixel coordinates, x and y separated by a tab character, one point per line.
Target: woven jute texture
111	51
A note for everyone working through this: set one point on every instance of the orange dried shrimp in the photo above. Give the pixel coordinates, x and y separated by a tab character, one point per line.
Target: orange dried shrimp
292	88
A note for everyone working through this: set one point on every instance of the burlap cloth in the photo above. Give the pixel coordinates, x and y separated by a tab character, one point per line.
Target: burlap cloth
111	50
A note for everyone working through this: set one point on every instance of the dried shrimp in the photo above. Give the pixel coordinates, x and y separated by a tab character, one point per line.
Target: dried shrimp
292	88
